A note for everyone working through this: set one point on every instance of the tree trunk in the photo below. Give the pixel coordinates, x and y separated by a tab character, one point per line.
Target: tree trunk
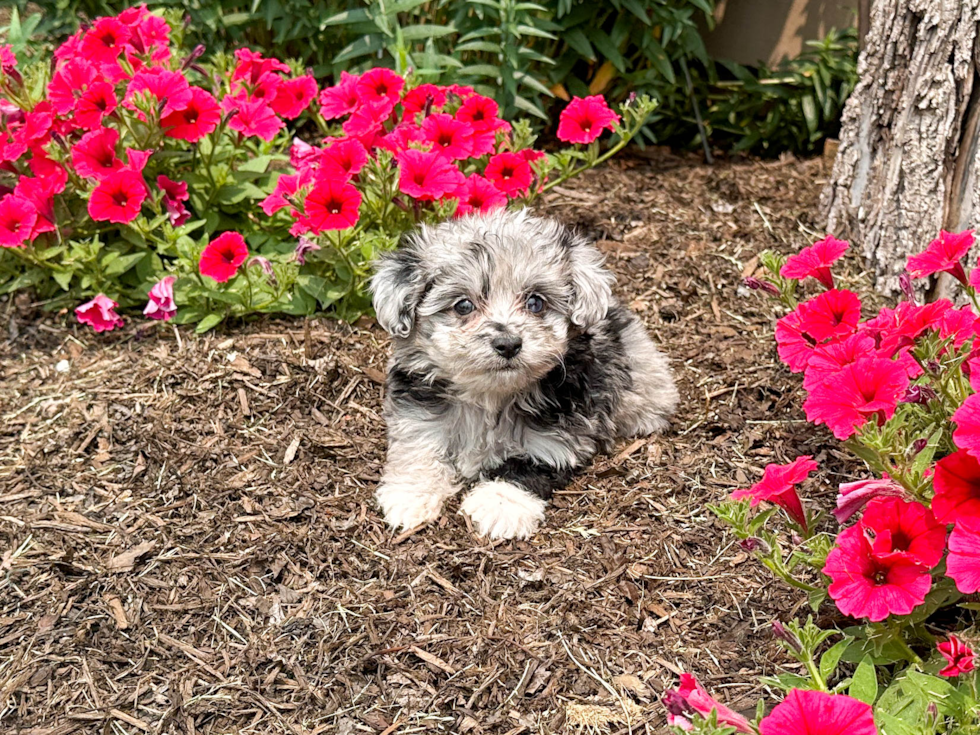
909	159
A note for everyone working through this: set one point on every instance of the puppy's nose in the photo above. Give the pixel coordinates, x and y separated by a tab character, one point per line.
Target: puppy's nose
506	345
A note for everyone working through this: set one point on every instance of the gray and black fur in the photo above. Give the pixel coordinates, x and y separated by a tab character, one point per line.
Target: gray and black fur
513	365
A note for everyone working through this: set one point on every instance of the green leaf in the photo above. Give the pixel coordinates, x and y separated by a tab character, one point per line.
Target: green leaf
257	165
62	278
864	683
123	263
209	322
422	32
830	658
608	49
891	725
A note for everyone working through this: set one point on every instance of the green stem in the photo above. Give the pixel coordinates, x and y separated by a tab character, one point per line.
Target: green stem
814	671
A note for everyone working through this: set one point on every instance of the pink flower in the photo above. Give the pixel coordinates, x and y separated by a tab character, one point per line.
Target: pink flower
69	83
174	196
805	712
198	116
333	204
815	261
958	654
343	159
287	188
793	344
380	84
963	560
341	99
967	418
853	496
692	698
294	96
303	247
257	119
866	584
427	176
957	485
831	314
161	305
583	120
868	388
94	156
905	526
826	360
17	218
423	98
118	197
169	89
478	195
222	256
509	172
450	137
943	255
99	313
105	40
98	101
778	486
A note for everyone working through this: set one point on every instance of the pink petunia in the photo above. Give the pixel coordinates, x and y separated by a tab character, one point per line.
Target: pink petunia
692	698
343	159
98	101
905	526
161	304
294	96
448	136
169	89
99	313
852	497
584	119
197	117
423	98
332	204
830	315
943	255
256	119
963	560
815	261
806	712
17	218
222	256
778	486
958	655
427	176
826	360
966	435
477	194
509	172
341	99
380	84
174	195
94	155
118	197
957	485
869	388
867	584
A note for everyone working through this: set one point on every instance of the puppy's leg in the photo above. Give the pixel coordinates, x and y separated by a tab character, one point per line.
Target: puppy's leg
416	483
509	500
647	406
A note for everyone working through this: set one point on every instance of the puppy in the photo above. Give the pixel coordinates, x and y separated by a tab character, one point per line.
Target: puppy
513	365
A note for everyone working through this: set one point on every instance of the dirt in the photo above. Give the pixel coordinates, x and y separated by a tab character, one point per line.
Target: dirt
188	542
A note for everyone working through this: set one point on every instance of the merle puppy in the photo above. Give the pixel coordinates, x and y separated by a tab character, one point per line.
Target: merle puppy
513	365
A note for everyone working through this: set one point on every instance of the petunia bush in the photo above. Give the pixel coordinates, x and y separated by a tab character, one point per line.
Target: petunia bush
133	177
894	569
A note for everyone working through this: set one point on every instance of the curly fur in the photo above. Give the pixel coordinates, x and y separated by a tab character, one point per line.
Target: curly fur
461	412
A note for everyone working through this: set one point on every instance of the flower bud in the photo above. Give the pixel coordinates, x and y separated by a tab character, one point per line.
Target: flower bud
193	56
905	283
918	445
919	394
757	284
780	632
753	544
305	246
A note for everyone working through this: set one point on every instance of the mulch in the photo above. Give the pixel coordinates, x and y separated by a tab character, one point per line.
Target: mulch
188	542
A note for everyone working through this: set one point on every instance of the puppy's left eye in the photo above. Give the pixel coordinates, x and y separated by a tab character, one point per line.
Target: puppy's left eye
534	304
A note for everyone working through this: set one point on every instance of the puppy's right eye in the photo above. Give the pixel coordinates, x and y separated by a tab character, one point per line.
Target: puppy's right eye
463	307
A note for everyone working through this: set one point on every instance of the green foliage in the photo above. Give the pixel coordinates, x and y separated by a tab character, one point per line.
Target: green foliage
530	55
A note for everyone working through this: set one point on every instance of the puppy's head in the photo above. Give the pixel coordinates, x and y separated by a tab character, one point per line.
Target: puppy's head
489	302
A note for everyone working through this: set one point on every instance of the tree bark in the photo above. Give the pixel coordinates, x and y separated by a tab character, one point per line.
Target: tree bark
909	160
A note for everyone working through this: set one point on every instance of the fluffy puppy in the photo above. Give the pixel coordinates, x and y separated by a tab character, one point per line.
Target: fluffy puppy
513	365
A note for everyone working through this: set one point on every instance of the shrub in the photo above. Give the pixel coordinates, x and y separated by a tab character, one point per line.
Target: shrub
901	558
529	56
132	171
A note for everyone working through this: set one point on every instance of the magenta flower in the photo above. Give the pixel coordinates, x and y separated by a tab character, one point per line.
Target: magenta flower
778	486
958	654
161	305
99	314
943	255
963	560
811	712
692	698
853	496
815	261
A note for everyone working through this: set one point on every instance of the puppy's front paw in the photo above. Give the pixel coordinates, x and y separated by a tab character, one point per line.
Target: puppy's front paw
502	510
407	505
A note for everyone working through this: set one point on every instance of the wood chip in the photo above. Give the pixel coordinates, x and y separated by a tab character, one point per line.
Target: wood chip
124	562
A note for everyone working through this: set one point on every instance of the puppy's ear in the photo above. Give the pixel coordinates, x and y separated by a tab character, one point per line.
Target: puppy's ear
591	281
398	285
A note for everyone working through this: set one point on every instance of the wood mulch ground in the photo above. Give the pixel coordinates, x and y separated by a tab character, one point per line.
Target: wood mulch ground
188	542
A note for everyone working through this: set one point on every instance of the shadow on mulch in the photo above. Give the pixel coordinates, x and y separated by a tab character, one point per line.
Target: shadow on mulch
189	543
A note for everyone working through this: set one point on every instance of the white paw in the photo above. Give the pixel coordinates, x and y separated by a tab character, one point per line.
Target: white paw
502	510
407	505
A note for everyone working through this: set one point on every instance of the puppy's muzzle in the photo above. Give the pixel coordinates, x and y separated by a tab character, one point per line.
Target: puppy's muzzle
507	345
